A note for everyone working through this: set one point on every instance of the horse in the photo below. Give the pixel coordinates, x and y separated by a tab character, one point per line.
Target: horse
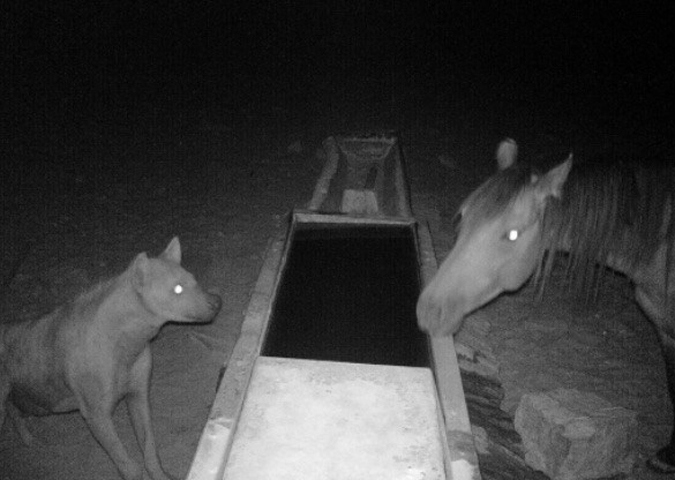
612	213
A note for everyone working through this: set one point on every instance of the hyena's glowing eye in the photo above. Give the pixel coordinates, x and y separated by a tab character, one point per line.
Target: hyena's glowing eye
178	289
512	235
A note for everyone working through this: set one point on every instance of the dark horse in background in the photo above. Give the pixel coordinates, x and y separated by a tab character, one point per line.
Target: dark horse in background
616	214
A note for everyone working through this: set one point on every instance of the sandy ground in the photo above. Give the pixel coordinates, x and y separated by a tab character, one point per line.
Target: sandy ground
226	195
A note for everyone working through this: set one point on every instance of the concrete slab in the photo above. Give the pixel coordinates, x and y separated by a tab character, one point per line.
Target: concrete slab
306	419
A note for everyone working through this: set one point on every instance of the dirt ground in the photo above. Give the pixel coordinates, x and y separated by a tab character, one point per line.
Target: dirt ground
224	183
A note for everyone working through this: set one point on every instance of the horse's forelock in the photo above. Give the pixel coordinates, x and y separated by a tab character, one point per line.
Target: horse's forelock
495	196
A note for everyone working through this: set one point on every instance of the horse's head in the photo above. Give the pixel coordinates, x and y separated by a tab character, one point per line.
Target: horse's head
498	246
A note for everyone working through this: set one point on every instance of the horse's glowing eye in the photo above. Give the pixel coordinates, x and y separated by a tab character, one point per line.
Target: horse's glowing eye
178	289
512	235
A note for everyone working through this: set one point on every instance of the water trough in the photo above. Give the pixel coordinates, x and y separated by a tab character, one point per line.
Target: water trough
330	378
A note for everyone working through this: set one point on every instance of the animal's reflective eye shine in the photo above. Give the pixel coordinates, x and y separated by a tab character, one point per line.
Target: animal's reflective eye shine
178	289
512	235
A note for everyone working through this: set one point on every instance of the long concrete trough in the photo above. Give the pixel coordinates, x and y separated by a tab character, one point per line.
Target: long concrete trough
330	378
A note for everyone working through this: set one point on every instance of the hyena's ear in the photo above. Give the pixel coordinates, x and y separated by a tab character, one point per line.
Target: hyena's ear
172	251
139	268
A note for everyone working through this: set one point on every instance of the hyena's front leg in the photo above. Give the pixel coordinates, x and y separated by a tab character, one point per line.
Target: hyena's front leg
138	403
97	410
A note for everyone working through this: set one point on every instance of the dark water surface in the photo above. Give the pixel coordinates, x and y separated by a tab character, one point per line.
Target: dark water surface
348	293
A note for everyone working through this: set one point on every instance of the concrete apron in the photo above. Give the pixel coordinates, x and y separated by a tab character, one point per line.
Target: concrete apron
298	418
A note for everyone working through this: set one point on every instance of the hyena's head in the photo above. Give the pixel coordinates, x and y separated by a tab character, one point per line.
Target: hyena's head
169	291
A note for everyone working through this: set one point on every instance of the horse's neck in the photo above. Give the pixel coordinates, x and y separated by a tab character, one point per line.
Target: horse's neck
658	271
627	248
657	267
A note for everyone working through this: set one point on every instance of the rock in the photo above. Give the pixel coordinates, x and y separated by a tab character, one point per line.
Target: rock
447	161
295	147
474	353
569	435
477	361
480	440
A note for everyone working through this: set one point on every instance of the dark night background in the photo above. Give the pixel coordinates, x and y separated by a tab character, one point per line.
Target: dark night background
84	81
130	64
125	122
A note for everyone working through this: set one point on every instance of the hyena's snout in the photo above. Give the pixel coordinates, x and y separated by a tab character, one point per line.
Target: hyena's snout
197	306
214	303
209	307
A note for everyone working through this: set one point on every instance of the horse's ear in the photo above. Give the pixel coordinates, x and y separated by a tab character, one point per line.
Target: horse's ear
507	151
550	185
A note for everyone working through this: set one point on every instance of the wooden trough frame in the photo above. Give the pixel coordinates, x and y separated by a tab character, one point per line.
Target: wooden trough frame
362	183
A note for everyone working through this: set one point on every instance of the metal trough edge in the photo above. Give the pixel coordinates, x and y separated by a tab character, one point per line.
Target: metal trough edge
216	439
460	453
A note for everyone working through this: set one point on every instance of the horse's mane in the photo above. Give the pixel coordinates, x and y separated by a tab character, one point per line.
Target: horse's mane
609	209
